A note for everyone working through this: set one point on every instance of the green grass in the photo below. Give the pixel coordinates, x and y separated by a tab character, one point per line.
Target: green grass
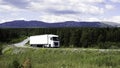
59	58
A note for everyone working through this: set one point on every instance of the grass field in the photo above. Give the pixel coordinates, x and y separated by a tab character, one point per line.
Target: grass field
14	57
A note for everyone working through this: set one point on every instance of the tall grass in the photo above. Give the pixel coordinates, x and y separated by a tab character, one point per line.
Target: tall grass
59	58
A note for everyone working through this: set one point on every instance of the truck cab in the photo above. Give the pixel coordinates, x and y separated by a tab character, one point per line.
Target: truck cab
54	42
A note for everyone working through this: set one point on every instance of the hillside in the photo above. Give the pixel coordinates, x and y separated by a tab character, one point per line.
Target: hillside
40	24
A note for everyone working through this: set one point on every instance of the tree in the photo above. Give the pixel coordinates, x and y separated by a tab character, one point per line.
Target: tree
66	38
74	38
84	39
1	49
60	32
100	38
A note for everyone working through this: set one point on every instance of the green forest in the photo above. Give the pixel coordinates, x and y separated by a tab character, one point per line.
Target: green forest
103	38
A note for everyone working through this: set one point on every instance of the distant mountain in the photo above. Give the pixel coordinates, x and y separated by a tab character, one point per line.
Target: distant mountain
40	24
113	24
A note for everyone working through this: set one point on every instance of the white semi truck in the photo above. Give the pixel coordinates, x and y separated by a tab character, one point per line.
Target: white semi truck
47	40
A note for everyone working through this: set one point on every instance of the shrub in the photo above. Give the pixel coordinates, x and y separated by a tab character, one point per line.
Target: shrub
27	63
16	64
8	50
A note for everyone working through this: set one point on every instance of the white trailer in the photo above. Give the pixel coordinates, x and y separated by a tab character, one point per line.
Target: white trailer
47	40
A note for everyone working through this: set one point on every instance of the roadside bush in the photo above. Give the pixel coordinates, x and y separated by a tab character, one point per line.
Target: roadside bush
71	46
16	40
103	45
8	50
107	45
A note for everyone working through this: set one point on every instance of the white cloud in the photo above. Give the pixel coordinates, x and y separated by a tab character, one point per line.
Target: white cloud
2	21
0	0
109	7
36	6
5	20
92	19
60	10
90	9
116	1
7	8
61	18
93	1
10	19
74	1
115	19
63	5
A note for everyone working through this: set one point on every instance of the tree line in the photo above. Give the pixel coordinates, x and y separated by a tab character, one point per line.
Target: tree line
69	37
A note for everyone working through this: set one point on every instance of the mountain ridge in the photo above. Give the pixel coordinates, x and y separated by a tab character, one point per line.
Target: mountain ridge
40	24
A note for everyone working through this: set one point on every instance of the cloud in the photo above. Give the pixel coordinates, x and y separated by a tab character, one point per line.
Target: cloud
7	8
95	1
90	9
59	18
115	19
74	1
0	0
109	7
17	3
115	1
67	6
92	19
11	19
36	6
59	10
58	6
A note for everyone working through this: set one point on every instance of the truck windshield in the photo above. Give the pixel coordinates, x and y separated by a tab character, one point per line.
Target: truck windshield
55	38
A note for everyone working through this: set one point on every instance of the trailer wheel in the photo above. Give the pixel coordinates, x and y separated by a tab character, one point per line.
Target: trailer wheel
43	46
31	45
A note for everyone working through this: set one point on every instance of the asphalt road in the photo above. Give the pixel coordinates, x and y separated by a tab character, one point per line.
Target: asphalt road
23	43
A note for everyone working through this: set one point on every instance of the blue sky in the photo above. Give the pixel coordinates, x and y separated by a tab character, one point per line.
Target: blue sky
60	10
